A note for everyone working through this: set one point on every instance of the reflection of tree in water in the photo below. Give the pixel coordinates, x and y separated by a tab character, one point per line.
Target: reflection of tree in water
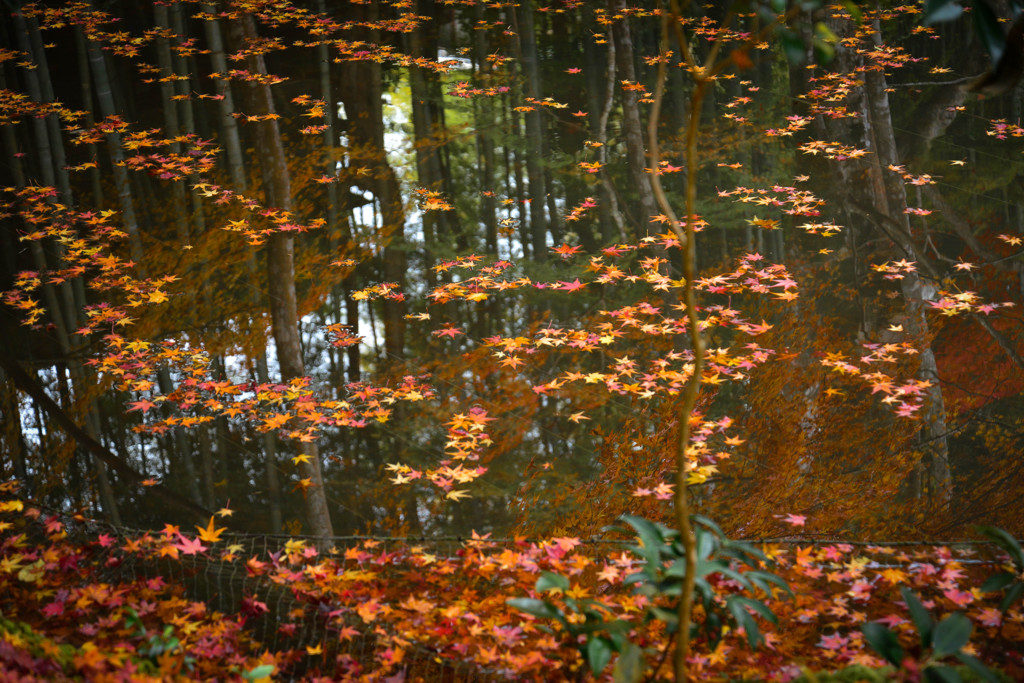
525	140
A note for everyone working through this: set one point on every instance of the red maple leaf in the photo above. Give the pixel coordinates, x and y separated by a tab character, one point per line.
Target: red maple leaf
143	405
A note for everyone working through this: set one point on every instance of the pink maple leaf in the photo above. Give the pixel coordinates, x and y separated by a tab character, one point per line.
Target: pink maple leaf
795	520
573	286
189	546
449	332
958	597
990	616
833	642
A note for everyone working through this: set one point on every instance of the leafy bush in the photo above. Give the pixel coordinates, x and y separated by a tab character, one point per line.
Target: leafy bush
586	625
937	641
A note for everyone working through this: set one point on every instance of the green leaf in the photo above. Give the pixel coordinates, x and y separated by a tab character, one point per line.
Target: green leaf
677	570
618	628
1007	542
936	11
736	576
713	629
942	674
982	671
670	618
630	666
588	627
951	634
707	567
753	631
764	581
702	588
705	544
636	577
743	618
756	606
1012	596
599	653
646	529
551	581
538	608
922	620
261	671
747	553
883	641
997	582
700	521
652	538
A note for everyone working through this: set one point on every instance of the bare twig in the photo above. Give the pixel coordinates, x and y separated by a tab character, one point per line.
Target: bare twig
687	241
702	76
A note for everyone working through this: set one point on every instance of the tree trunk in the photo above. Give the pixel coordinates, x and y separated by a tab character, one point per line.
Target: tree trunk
610	213
284	311
105	97
935	469
236	169
361	86
82	57
63	309
534	131
13	437
172	127
632	127
484	121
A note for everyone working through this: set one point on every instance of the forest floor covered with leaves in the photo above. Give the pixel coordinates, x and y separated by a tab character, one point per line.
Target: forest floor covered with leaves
79	600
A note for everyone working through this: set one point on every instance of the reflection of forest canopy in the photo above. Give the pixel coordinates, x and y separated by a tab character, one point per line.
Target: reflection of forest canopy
885	400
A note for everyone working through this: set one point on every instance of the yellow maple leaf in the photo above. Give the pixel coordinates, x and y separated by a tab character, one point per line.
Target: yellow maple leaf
894	576
457	495
300	458
414	604
209	533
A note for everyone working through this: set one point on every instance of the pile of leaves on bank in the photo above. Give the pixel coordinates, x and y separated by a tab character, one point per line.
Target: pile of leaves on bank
79	601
